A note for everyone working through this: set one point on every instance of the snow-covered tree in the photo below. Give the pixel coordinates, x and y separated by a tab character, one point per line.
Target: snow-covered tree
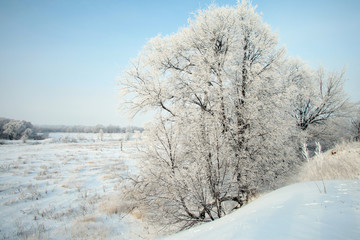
14	129
101	134
223	129
327	99
97	128
26	135
320	105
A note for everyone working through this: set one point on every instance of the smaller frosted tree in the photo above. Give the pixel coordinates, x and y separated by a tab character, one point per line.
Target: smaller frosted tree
320	105
26	135
101	134
320	95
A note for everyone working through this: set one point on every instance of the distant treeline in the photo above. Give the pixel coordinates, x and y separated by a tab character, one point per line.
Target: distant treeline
88	129
11	129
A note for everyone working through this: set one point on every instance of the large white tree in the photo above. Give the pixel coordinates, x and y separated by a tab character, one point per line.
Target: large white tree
223	129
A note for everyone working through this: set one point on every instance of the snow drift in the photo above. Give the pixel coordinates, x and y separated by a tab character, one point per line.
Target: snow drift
299	211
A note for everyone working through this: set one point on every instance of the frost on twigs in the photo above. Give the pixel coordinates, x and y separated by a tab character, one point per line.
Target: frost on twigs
222	130
231	110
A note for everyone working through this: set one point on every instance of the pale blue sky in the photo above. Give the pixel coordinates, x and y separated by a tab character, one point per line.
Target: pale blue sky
59	59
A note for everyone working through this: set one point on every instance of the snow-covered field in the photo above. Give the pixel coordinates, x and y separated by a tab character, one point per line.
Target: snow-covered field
299	211
65	187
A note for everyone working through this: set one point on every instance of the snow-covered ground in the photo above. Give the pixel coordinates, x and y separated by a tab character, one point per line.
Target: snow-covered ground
65	187
299	211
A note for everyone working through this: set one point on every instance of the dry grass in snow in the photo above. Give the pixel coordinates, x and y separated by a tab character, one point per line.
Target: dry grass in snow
341	162
57	189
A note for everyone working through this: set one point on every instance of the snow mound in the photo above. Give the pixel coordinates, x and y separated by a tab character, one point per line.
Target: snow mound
298	211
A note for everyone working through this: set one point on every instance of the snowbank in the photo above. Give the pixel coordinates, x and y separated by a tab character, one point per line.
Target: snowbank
299	211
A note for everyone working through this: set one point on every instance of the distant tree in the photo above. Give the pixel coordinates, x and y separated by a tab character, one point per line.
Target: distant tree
26	135
14	129
97	128
112	129
101	134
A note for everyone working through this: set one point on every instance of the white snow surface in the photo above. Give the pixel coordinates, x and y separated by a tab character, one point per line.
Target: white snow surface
298	211
66	187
